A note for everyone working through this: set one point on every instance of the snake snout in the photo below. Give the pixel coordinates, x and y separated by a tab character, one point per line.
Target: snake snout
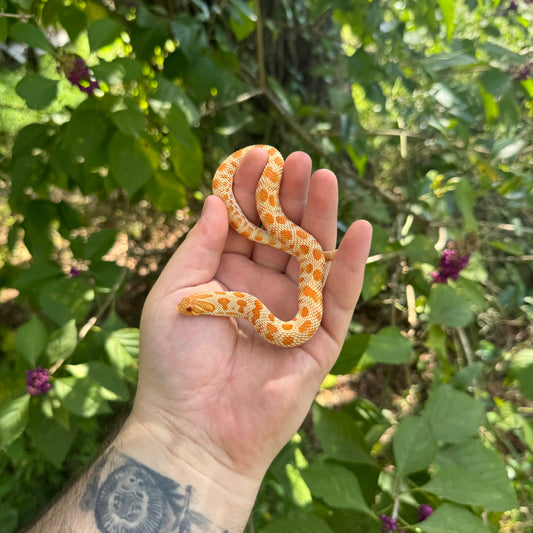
191	305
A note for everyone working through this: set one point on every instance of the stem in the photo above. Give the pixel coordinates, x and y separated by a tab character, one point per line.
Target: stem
22	16
395	509
465	343
260	45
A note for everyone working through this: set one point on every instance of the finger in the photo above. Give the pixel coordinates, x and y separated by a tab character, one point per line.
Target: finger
345	280
293	198
244	186
197	259
320	214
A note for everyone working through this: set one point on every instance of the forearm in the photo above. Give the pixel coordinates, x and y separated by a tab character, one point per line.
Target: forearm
137	485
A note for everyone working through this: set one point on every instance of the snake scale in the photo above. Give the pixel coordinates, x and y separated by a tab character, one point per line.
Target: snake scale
280	232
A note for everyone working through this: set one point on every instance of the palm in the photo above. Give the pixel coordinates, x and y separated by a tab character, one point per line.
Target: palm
217	373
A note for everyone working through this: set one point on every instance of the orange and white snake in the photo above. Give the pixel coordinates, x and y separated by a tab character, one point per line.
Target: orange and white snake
277	231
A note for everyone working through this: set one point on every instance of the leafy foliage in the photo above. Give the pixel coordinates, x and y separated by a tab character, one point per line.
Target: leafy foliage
113	117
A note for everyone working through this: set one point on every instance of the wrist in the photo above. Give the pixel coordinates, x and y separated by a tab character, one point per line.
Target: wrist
221	496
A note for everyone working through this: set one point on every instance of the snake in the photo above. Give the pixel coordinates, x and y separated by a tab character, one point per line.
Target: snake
280	232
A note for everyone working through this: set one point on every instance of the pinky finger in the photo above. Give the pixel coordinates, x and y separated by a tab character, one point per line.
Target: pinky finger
345	280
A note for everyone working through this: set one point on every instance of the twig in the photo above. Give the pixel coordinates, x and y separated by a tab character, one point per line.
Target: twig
243	97
260	45
107	302
22	16
465	343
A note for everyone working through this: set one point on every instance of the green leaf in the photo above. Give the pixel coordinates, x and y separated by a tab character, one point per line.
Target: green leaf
352	350
336	485
10	515
492	110
510	247
448	14
66	299
62	342
50	436
113	387
299	522
31	339
13	420
23	4
495	81
165	192
300	493
243	19
340	436
471	474
465	198
99	243
39	273
85	133
191	35
435	63
106	273
170	93
187	160
448	517
27	165
73	20
375	280
103	32
120	70
522	371
38	91
81	397
414	445
448	307
453	415
388	345
122	348
26	32
130	166
508	148
420	249
130	121
37	220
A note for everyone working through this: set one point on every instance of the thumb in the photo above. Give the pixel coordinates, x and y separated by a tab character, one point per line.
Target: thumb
196	260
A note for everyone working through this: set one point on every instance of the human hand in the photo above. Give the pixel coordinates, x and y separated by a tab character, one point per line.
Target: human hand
211	383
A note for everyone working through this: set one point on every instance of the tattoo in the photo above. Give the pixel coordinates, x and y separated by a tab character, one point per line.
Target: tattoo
132	498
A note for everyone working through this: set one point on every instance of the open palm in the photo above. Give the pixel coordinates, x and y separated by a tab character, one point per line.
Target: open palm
214	379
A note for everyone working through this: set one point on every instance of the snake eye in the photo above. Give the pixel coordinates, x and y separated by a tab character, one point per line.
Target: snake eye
189	309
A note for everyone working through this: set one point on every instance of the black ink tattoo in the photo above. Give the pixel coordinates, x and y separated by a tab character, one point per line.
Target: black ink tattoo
133	498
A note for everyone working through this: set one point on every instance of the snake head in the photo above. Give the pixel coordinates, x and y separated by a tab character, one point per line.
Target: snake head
192	305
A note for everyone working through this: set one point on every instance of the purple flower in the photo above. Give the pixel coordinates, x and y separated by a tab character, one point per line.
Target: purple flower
450	265
424	511
79	74
389	524
37	381
74	272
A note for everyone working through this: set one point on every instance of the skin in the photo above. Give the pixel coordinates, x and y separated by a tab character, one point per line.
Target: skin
215	402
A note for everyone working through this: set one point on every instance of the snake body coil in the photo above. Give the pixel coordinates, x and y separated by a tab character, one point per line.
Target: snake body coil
277	231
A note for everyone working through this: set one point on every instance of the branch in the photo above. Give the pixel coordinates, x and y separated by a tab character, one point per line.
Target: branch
22	16
260	45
